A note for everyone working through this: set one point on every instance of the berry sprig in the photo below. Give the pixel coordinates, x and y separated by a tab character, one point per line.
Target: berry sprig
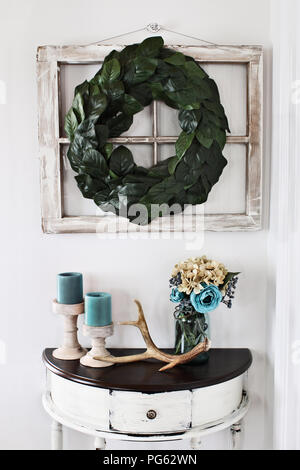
175	281
230	292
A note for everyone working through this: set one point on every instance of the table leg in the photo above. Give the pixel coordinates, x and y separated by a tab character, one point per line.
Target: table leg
56	436
99	443
195	443
236	433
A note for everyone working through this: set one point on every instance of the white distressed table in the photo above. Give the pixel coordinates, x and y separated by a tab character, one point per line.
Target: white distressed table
135	402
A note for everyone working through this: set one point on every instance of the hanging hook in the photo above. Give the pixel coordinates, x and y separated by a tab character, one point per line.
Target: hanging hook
153	27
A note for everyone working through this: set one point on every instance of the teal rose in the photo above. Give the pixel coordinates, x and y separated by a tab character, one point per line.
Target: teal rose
208	299
176	296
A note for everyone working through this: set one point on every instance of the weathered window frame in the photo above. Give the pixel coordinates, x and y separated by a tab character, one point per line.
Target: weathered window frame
49	59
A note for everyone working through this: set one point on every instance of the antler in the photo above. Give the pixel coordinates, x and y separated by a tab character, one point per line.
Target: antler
152	351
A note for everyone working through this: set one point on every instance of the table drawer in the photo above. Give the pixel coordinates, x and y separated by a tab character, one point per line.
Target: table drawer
133	412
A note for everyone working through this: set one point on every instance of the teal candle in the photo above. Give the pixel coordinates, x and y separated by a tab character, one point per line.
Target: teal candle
69	288
98	309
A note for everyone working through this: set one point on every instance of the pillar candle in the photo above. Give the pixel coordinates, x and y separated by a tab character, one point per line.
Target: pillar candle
98	309
69	288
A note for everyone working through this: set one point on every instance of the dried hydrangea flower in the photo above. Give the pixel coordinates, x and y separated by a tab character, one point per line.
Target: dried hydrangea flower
197	271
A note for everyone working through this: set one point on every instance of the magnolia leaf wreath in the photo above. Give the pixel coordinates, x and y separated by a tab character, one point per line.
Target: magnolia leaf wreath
103	108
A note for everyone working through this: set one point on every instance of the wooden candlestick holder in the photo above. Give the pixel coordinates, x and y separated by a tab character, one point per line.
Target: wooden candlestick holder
71	349
98	335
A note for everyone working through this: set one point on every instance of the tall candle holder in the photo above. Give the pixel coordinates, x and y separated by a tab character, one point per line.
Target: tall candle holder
98	334
71	349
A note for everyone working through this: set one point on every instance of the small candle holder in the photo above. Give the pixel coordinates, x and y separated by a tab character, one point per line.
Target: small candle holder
71	349
98	335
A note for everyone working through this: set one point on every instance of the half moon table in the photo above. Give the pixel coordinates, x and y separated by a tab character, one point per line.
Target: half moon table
136	402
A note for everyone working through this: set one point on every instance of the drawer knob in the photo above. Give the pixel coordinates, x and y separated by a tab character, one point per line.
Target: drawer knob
151	414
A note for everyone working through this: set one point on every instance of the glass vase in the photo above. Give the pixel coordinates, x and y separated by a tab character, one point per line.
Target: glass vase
191	330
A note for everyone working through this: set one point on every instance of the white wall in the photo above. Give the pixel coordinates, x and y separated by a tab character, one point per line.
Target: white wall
127	269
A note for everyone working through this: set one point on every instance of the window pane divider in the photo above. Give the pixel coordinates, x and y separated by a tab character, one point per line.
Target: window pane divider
231	139
155	133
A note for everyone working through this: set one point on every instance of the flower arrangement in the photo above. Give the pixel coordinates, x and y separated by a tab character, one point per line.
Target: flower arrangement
198	285
202	283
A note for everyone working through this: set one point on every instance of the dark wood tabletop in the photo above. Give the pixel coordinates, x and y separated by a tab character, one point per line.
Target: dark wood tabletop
223	365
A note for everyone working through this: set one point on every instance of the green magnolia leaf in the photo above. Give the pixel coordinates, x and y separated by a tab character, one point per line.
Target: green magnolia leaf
113	175
82	89
80	144
102	133
88	186
160	170
215	165
115	90
78	107
163	72
186	99
166	52
74	159
205	90
207	185
197	194
173	162
212	174
110	71
128	54
189	120
176	82
162	192
150	47
228	278
96	105
140	178
119	124
140	171
112	110
102	196
185	175
144	67
94	164
121	161
204	139
131	105
214	119
157	91
108	148
204	165
214	90
71	124
103	108
194	71
112	55
176	59
87	130
183	143
77	149
196	155
220	137
142	93
133	191
108	200
215	107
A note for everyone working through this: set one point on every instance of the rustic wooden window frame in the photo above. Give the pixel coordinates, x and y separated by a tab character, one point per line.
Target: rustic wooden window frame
49	59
